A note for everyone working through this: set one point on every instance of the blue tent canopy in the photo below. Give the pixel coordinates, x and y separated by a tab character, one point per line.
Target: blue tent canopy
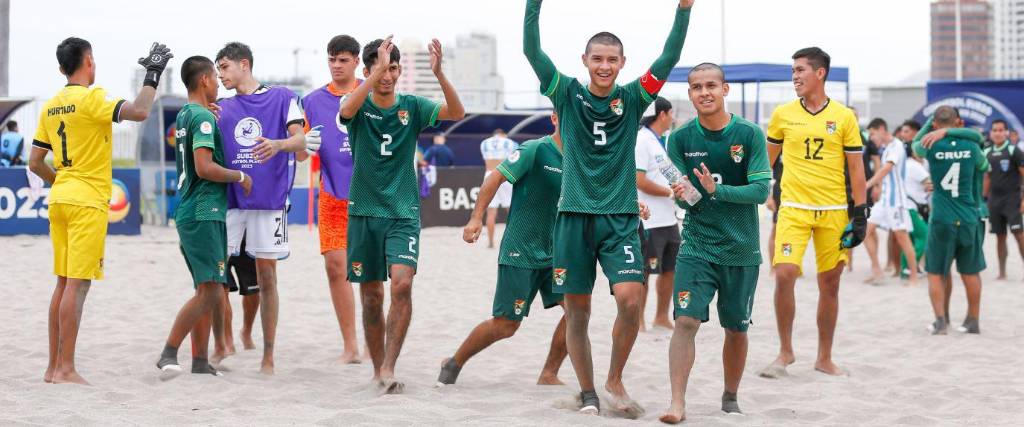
758	73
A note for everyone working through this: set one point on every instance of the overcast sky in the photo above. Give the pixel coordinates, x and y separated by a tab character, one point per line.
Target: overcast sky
882	41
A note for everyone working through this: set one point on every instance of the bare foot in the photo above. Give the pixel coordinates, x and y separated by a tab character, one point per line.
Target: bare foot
911	283
663	323
622	404
350	358
217	357
71	377
267	368
643	327
675	414
48	375
1001	277
392	386
229	350
777	369
247	342
830	369
549	379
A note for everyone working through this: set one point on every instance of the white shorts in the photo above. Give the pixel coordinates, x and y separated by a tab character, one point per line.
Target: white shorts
503	198
891	218
265	233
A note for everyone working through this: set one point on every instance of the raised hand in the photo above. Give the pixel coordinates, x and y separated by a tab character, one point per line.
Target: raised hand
155	63
706	179
384	56
435	56
686	4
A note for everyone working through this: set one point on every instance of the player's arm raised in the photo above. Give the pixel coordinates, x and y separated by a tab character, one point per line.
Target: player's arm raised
352	102
539	61
476	219
155	63
669	57
452	108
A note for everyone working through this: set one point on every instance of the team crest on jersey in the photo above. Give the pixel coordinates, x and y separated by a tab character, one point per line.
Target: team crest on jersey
514	157
616	106
1004	164
830	127
220	268
736	151
206	128
519	305
357	269
403	116
247	130
560	276
787	249
683	299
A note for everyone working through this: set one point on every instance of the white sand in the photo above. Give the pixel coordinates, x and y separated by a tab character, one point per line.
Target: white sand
900	374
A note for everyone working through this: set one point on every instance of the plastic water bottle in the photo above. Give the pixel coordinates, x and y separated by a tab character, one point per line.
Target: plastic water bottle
669	171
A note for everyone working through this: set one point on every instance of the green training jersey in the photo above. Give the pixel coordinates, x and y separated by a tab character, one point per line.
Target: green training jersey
718	231
201	200
383	141
955	165
600	139
535	171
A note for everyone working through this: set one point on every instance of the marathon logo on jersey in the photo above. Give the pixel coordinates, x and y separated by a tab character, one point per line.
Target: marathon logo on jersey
403	116
787	249
518	306
683	300
830	127
616	106
357	269
247	131
560	276
736	151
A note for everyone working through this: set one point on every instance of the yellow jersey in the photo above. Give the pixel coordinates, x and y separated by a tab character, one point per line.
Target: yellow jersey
814	148
76	125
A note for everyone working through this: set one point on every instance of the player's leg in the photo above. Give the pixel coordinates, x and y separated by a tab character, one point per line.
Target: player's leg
871	244
574	274
771	242
1001	255
53	329
209	295
666	277
243	268
970	262
401	252
267	235
227	314
371	296
694	291
556	355
893	255
59	240
333	243
794	231
70	317
1019	237
831	260
907	246
367	266
737	286
86	234
250	307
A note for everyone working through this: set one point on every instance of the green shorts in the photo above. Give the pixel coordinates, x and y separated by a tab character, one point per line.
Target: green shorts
375	244
696	283
581	240
960	243
517	287
204	244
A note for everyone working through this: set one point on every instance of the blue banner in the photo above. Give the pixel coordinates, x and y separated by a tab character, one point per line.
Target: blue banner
980	102
24	211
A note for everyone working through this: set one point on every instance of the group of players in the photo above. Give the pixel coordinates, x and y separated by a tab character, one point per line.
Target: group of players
573	205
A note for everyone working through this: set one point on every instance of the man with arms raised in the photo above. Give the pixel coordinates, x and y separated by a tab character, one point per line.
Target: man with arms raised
259	123
597	213
76	125
720	251
818	139
384	221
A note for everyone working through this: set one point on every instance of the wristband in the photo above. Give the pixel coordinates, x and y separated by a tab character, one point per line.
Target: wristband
152	79
242	178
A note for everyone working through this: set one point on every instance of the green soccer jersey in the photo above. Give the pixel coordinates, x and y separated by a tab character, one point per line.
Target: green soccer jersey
955	165
201	200
723	229
383	155
535	171
959	134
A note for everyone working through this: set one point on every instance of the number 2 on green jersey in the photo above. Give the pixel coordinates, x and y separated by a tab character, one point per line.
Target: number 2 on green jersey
384	145
951	182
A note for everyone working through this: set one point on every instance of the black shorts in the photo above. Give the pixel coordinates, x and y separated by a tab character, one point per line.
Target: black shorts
1003	214
242	273
660	247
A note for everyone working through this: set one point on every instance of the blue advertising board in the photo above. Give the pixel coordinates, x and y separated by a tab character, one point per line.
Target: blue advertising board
24	211
980	102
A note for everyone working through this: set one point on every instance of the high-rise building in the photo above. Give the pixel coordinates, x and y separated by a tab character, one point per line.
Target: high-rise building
1008	38
975	36
471	65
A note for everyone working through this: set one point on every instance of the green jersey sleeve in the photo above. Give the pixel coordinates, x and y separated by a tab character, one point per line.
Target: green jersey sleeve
426	112
351	120
519	163
673	46
981	161
203	128
757	168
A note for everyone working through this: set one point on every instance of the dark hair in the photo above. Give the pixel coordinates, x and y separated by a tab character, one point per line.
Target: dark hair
235	51
605	38
707	66
193	68
661	105
343	43
70	54
913	124
946	115
1003	122
12	125
370	53
878	122
816	57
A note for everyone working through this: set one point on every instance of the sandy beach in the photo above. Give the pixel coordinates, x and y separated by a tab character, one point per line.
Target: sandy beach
899	375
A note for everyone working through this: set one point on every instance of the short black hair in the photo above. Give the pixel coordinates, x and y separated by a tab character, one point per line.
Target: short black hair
913	124
70	54
816	57
235	51
12	125
605	38
946	115
370	53
706	66
661	105
193	68
343	43
1003	122
878	122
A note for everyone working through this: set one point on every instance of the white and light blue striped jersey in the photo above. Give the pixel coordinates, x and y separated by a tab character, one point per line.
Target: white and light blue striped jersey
497	147
894	190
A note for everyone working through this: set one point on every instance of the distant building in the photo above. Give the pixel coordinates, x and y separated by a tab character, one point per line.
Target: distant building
976	38
471	65
1008	38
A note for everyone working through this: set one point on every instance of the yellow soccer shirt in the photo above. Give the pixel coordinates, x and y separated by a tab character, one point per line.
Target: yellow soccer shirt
76	125
814	148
